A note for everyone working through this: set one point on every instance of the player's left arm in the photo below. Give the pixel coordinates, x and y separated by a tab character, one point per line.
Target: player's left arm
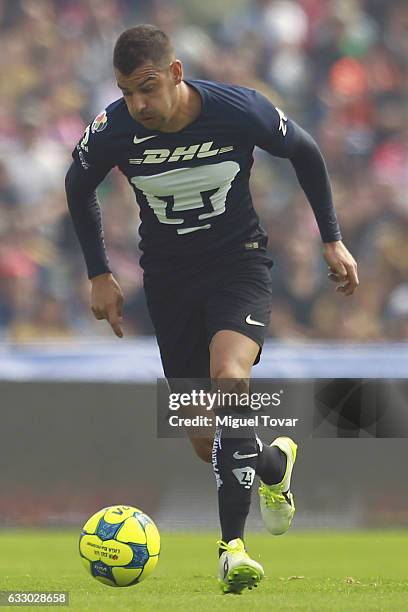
282	137
313	177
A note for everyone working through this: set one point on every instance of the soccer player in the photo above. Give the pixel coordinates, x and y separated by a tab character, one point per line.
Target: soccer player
186	148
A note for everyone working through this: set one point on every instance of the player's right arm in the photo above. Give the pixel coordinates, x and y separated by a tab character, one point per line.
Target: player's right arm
89	168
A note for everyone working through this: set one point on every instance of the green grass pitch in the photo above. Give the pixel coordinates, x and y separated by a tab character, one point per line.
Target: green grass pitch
316	571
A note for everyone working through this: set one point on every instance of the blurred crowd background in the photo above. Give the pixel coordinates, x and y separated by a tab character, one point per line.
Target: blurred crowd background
338	67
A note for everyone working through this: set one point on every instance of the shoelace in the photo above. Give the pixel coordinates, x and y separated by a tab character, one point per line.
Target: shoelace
272	498
231	549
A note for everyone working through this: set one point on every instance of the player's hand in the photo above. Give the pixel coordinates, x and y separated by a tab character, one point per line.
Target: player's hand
107	301
342	267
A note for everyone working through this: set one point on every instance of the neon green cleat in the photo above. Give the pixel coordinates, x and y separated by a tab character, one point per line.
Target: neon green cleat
276	501
237	571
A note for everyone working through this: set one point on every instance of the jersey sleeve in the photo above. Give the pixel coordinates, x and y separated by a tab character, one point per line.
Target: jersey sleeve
268	127
92	161
271	130
93	153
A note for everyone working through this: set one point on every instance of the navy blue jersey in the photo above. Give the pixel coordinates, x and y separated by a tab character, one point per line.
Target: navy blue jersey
192	186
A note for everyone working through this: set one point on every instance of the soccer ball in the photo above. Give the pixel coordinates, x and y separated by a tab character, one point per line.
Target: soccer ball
119	545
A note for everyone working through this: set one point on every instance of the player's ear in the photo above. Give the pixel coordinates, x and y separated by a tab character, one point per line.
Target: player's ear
176	71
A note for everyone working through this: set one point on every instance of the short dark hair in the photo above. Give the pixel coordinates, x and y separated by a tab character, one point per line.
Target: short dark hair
138	45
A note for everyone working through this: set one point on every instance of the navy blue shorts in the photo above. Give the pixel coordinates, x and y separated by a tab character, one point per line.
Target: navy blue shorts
189	306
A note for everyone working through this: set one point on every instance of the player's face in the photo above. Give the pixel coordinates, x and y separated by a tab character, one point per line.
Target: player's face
150	93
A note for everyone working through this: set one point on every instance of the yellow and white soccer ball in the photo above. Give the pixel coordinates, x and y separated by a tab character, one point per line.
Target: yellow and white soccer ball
119	545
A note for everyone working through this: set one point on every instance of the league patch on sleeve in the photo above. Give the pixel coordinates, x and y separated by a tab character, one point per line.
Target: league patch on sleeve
99	123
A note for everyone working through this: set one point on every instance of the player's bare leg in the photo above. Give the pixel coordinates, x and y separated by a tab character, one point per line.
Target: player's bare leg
202	438
231	357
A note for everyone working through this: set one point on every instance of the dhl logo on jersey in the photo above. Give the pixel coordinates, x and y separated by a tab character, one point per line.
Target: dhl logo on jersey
199	151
